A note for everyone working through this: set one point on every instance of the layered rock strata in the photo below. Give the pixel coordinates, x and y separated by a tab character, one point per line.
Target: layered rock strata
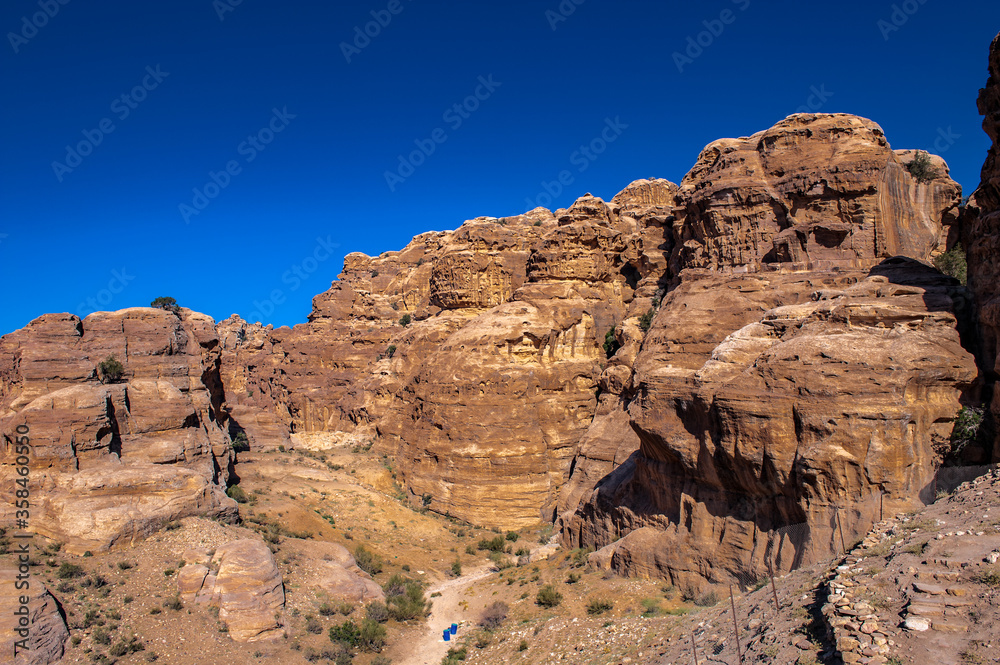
982	236
111	461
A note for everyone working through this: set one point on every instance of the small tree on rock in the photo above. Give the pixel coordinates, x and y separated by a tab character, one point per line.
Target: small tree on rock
166	303
111	370
921	167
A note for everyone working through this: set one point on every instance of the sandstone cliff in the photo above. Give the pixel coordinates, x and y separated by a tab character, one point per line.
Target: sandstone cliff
111	462
498	401
797	380
982	235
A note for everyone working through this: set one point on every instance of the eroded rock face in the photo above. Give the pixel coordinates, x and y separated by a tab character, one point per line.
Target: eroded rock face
814	191
982	234
47	632
483	396
243	581
769	401
498	402
112	462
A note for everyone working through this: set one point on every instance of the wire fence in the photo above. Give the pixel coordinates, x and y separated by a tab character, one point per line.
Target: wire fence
831	532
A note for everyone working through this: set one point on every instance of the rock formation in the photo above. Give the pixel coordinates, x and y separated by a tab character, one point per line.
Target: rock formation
243	581
678	373
47	636
769	401
335	574
982	235
112	461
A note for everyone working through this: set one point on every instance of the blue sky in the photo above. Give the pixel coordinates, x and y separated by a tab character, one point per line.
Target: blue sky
229	153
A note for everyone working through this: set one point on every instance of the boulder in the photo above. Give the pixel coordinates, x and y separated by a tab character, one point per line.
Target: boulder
46	631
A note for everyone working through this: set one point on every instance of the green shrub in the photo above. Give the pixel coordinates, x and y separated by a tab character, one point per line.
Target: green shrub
512	536
967	425
990	577
111	370
368	561
599	606
100	636
455	656
456	568
548	596
371	635
646	320
377	611
166	303
953	264
346	633
241	443
69	571
495	544
921	168
237	494
405	598
611	344
327	610
523	646
313	625
405	320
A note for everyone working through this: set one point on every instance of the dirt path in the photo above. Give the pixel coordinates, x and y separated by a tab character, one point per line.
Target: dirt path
430	648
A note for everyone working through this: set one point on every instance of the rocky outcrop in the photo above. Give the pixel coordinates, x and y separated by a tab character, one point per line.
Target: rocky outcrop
243	581
775	404
499	401
812	192
45	632
797	379
335	575
483	395
982	235
111	462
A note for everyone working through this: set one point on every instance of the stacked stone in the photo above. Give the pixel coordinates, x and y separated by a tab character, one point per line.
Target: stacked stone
858	635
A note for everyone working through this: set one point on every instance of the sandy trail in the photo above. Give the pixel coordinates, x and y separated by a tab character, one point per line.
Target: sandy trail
430	648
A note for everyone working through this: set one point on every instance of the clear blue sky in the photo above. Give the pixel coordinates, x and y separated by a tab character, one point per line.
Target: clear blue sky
108	226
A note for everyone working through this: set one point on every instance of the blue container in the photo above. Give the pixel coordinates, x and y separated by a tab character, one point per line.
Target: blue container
447	635
454	628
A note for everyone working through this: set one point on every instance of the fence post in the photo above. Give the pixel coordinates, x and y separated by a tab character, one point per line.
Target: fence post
840	527
774	589
881	506
694	648
736	625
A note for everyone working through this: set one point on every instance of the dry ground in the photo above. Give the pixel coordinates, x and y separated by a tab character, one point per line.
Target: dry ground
349	496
